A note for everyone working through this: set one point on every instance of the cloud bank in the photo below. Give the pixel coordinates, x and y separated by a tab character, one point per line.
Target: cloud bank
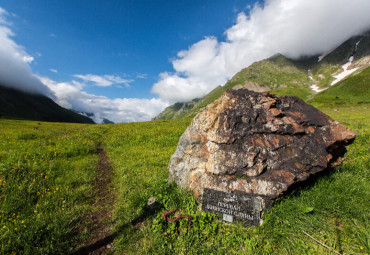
294	28
15	71
71	96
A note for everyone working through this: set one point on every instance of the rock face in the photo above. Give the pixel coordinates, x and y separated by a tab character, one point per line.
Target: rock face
257	144
253	86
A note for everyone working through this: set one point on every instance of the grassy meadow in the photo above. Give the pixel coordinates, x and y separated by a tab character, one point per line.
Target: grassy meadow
47	173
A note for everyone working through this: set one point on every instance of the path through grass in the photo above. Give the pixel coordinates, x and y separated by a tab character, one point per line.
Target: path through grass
47	171
98	223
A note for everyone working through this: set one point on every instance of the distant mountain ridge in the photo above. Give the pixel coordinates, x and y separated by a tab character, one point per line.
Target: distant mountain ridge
92	116
282	76
15	104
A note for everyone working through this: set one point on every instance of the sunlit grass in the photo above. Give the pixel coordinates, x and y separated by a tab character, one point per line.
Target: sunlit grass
47	172
334	210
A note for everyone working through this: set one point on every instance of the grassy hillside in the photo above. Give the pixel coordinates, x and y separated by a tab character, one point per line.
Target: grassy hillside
353	90
190	109
15	104
285	76
48	170
275	72
278	73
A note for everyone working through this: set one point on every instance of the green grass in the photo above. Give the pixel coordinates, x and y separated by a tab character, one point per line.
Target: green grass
323	73
298	91
46	174
352	90
333	210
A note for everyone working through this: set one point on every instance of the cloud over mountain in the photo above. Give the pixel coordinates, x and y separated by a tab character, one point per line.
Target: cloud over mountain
294	28
71	96
15	71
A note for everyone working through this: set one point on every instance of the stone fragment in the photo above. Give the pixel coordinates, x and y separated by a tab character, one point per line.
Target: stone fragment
152	203
256	144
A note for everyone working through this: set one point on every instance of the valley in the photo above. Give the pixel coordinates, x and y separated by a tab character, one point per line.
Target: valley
184	127
48	171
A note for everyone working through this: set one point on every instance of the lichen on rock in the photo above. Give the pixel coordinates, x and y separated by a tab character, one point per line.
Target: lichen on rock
256	143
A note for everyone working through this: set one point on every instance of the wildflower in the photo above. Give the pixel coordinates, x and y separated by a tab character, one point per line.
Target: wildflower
4	226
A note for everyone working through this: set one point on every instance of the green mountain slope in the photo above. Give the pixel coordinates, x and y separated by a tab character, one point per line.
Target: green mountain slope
15	104
282	76
277	73
357	46
353	90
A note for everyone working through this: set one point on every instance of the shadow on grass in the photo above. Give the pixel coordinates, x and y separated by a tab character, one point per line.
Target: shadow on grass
90	249
296	188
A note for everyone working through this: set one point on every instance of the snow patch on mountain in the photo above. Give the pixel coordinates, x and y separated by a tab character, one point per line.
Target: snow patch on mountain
346	71
323	56
314	86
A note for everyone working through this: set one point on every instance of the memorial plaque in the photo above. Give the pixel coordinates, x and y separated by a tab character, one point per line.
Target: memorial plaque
233	207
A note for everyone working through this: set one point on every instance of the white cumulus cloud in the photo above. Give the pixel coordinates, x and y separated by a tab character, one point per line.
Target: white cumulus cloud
15	71
71	96
294	28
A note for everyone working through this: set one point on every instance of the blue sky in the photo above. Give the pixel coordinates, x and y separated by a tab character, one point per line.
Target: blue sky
127	60
131	39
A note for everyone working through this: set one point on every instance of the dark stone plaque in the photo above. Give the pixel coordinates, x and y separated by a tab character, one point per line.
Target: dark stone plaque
233	207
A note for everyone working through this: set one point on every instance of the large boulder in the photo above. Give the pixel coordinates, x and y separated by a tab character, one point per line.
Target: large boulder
257	144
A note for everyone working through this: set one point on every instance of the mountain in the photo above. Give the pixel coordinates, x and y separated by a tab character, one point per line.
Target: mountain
106	121
283	76
353	90
15	104
92	116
